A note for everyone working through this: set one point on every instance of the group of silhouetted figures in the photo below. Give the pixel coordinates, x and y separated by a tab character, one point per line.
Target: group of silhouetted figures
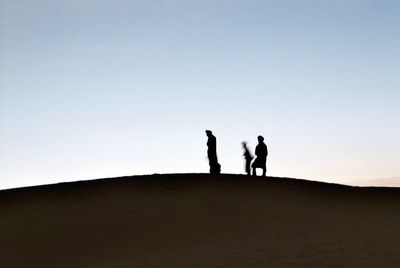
260	161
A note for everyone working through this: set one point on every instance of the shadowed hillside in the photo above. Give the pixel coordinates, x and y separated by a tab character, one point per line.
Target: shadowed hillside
199	220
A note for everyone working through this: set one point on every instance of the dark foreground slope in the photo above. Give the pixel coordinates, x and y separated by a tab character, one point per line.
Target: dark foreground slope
195	220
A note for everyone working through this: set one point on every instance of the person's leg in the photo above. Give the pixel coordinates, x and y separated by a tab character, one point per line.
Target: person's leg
264	171
254	171
212	167
218	168
212	160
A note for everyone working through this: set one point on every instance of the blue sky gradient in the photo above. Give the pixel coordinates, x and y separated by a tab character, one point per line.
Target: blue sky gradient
96	88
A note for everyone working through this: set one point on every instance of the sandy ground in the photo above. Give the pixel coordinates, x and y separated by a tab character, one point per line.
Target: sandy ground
197	220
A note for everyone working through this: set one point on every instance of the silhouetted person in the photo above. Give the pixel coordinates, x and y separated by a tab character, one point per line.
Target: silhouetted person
215	167
261	153
248	157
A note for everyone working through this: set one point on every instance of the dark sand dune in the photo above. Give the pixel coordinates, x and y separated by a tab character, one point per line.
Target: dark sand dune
195	220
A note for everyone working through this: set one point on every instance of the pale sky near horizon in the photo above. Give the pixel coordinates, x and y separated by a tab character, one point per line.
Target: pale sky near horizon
95	88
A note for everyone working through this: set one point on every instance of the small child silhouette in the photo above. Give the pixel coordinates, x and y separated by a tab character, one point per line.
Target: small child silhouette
248	157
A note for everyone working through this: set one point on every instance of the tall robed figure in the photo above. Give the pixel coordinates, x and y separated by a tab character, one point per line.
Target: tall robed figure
261	153
215	167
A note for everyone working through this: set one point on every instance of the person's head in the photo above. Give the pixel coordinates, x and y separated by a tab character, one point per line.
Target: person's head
260	138
209	133
244	144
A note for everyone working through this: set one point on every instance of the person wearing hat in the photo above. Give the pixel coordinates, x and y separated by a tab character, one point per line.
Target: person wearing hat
215	167
261	159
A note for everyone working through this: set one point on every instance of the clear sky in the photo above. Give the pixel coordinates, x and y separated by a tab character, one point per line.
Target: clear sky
96	88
